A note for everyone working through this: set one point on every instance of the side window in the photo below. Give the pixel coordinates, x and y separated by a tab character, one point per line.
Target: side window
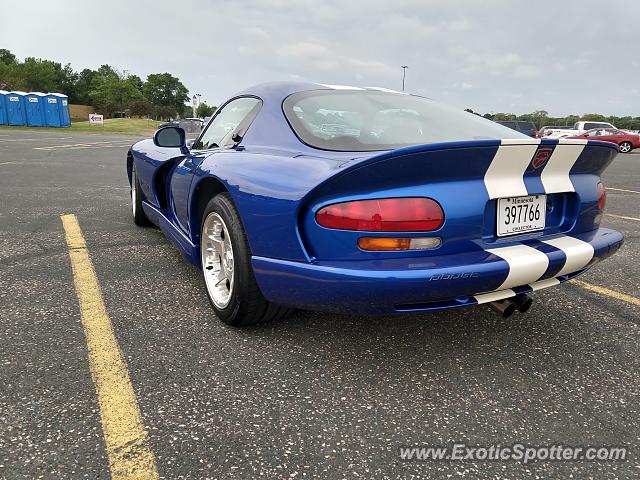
237	113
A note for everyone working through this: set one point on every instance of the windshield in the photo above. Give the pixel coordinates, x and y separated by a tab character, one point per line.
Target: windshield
369	120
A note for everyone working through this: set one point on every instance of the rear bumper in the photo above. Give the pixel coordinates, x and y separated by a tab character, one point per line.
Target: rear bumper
432	283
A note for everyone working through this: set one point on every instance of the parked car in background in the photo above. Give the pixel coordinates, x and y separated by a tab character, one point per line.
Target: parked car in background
625	141
584	126
548	130
578	129
191	125
528	128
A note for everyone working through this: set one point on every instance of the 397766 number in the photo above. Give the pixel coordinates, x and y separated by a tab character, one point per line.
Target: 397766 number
522	213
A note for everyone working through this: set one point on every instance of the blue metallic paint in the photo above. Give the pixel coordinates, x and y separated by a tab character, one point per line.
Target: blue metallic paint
278	183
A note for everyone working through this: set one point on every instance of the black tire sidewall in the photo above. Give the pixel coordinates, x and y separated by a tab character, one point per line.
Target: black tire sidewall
242	271
139	217
626	143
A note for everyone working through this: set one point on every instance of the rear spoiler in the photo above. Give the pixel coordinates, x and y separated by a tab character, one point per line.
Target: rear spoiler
509	168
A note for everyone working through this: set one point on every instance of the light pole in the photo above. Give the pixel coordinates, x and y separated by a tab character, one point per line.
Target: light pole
404	73
195	102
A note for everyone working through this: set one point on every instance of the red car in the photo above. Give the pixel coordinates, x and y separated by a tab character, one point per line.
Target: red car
625	141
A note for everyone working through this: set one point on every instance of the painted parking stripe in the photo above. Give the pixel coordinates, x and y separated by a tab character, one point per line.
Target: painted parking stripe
622	190
622	217
555	176
526	264
505	175
578	253
125	438
609	293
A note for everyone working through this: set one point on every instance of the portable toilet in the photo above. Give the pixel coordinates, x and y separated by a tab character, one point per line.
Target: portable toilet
3	108
34	106
52	110
14	102
63	109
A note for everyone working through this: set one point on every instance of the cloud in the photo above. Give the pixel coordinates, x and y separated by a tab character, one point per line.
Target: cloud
496	52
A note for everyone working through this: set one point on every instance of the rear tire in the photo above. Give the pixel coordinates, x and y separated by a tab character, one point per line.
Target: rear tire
139	217
626	147
226	267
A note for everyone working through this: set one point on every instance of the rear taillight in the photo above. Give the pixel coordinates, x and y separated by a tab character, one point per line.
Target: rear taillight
383	215
602	196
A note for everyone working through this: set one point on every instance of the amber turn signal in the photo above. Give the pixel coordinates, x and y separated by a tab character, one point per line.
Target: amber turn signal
385	244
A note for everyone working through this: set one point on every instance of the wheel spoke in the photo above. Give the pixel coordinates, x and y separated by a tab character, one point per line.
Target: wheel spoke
217	260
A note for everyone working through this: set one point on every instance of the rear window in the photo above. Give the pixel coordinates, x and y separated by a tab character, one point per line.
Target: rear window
526	126
368	120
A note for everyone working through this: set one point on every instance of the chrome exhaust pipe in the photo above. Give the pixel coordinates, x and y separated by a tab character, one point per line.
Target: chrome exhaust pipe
523	302
504	308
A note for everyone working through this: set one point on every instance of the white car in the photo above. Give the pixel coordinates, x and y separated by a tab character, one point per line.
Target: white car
578	129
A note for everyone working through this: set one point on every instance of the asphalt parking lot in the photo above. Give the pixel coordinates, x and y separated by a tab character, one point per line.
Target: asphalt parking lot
311	396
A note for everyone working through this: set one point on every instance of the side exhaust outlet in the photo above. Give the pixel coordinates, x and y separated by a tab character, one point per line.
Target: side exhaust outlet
505	308
523	302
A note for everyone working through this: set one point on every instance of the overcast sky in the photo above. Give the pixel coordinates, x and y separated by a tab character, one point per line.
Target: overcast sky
568	57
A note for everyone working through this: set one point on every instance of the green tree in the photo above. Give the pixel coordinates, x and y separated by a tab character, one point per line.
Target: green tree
503	116
205	110
112	92
7	57
141	107
165	112
594	117
83	86
9	77
36	74
68	83
165	90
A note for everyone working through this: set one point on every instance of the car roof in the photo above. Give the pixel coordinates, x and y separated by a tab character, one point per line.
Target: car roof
271	128
284	89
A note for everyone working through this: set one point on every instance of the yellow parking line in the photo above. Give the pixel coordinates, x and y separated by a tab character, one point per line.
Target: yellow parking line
609	293
623	217
127	442
622	190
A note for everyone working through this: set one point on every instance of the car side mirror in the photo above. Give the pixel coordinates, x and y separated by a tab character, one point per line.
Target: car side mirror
171	136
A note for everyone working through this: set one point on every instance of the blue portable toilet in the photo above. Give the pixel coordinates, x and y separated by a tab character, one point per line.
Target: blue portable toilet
14	102
34	106
63	109
52	110
3	108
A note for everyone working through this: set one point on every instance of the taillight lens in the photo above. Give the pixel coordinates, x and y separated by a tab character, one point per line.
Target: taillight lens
383	215
602	196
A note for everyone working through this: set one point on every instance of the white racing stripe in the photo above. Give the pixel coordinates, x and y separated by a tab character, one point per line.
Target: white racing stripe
526	264
388	90
493	296
339	87
555	176
505	175
578	253
549	282
502	294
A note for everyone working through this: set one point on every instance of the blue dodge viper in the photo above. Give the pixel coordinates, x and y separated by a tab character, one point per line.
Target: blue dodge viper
367	200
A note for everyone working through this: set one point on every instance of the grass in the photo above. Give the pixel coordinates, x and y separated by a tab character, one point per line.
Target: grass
117	126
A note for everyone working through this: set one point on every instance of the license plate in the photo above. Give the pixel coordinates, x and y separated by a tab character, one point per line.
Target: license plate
521	214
